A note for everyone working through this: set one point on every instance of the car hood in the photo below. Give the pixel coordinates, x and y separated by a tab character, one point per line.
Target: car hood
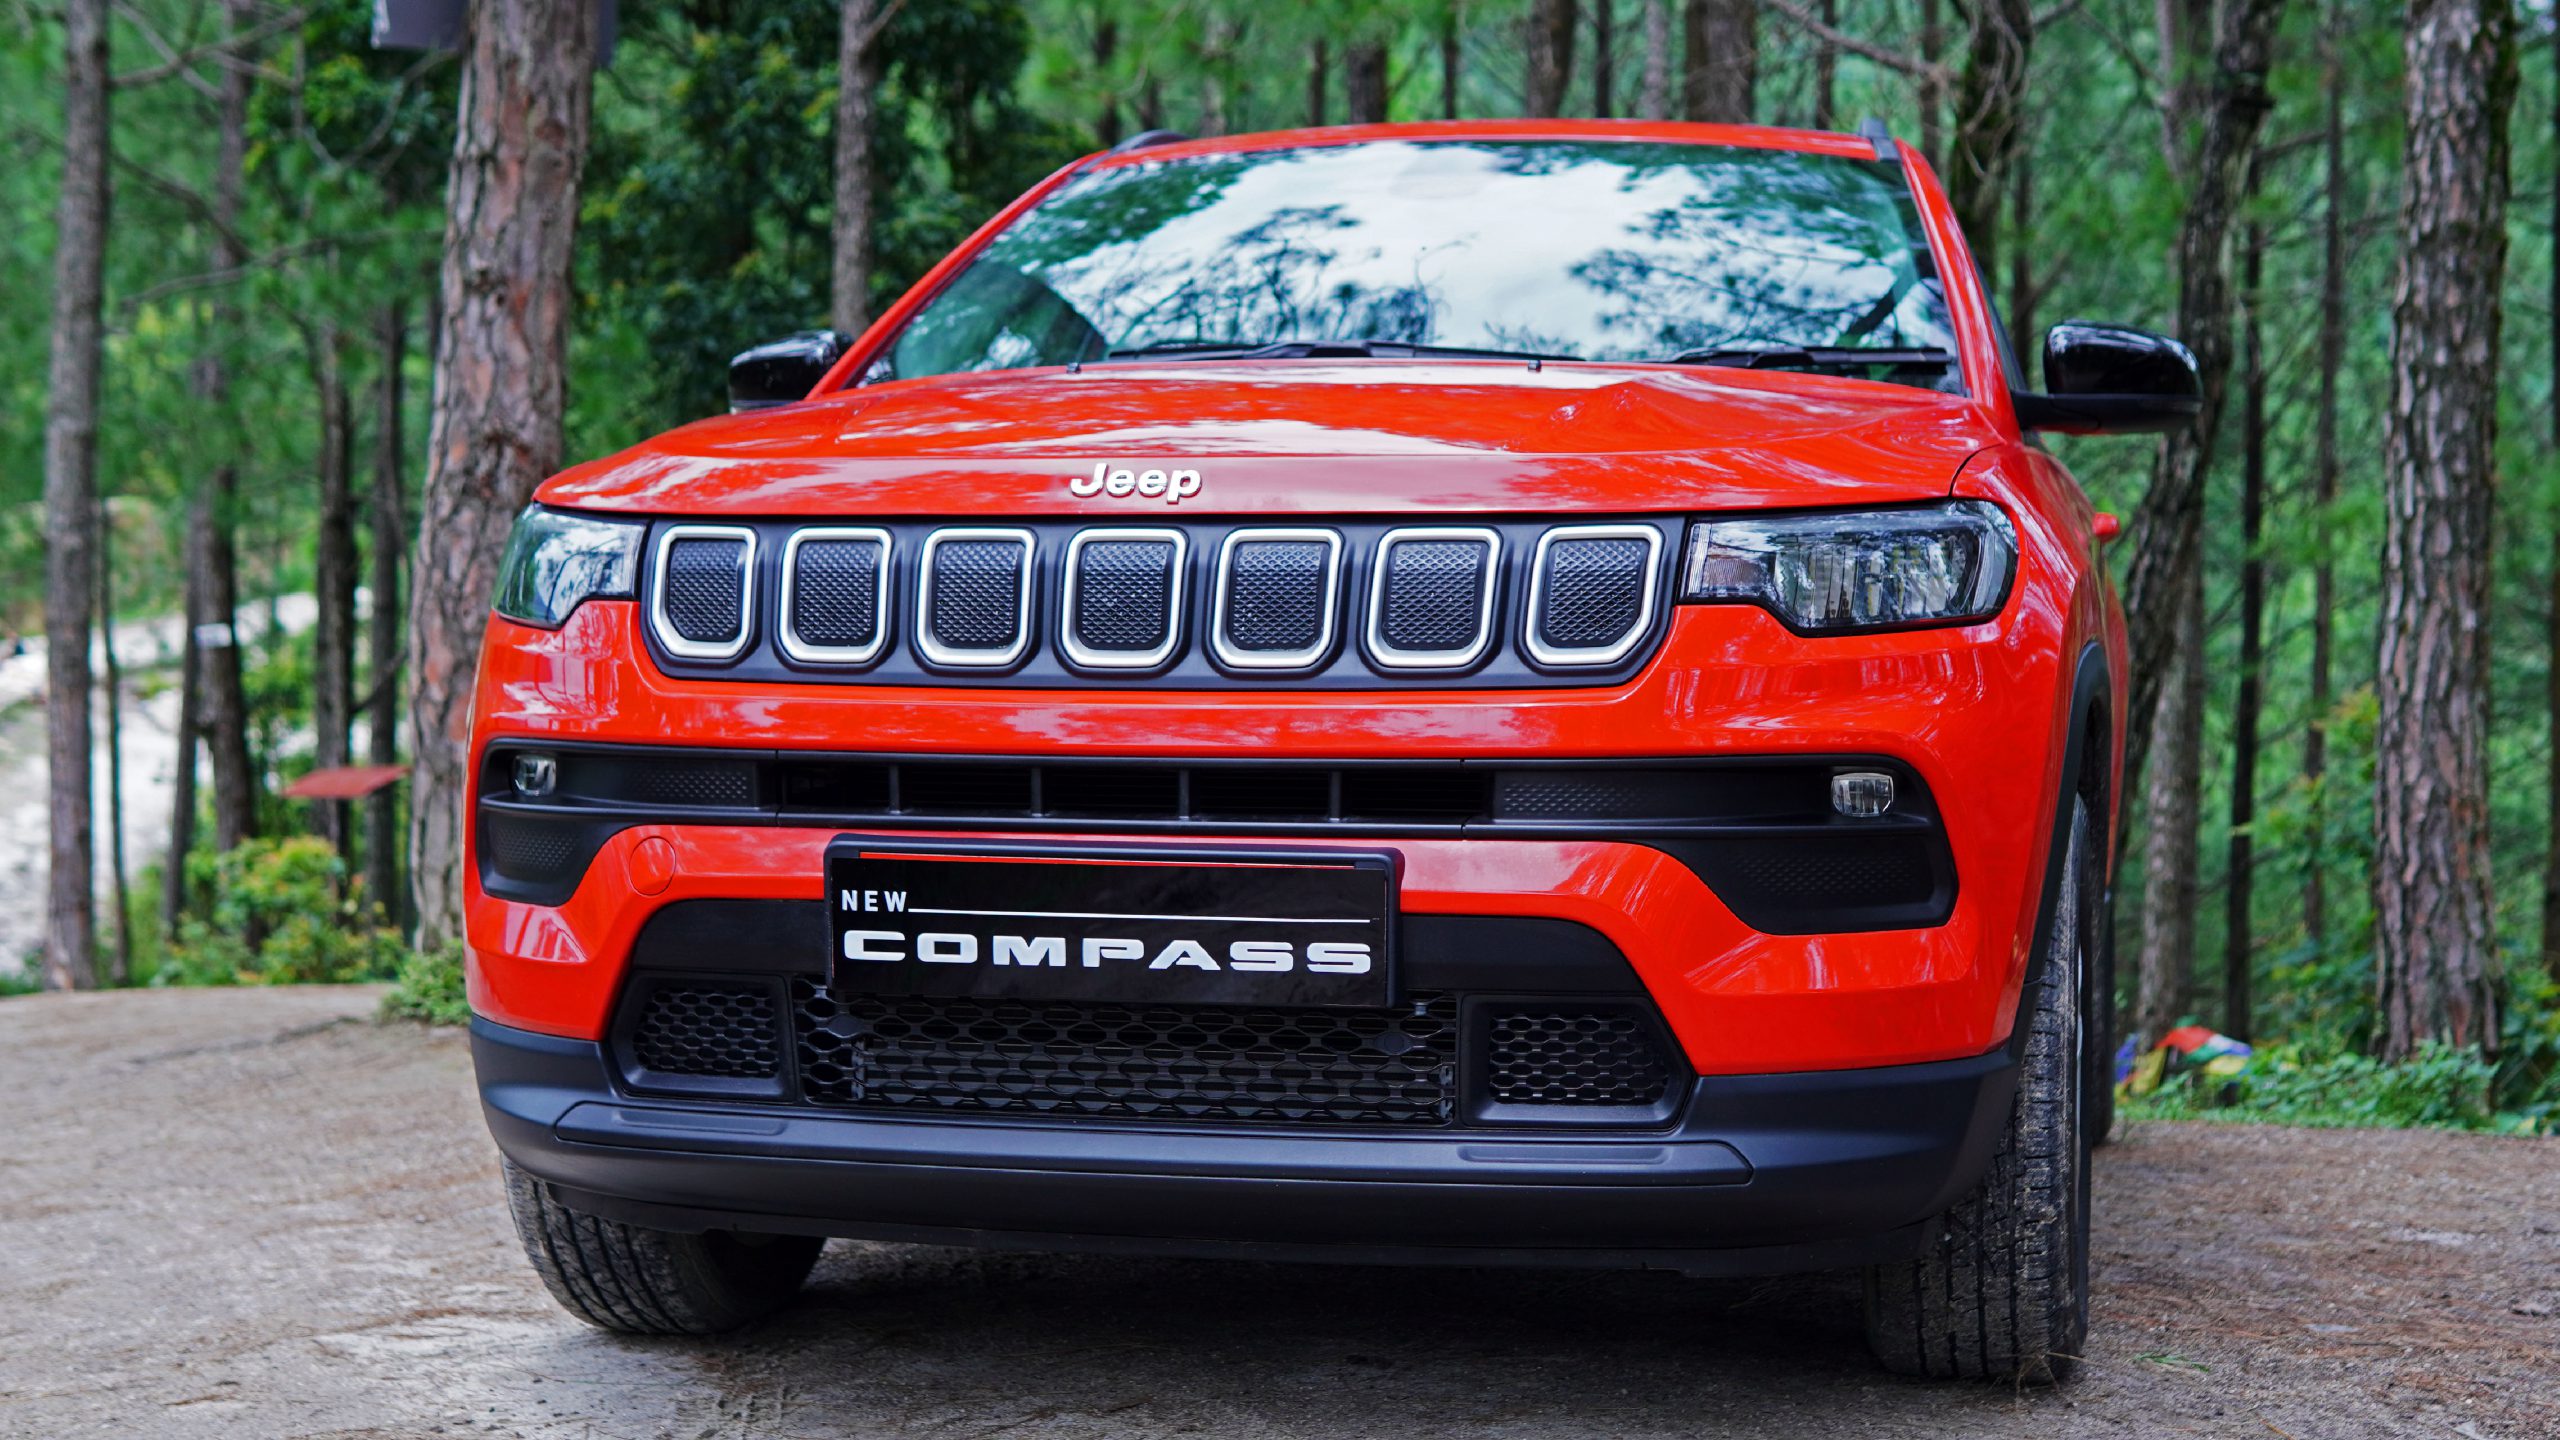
1358	437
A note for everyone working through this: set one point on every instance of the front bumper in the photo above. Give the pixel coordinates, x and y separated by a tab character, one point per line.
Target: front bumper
1755	1174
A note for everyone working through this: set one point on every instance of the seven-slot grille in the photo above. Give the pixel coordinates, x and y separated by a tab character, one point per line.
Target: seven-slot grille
1509	602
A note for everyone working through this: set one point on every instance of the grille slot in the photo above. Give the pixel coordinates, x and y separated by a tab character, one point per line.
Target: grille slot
967	789
1441	797
1307	1067
1256	793
1123	598
1113	790
709	1030
1277	594
835	596
1431	598
1591	595
975	602
1545	1056
703	587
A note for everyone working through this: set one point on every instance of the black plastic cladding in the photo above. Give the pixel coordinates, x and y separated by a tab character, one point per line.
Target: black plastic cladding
1506	663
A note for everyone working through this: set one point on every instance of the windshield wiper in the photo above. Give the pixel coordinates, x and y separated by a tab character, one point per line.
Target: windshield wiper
1810	357
1321	350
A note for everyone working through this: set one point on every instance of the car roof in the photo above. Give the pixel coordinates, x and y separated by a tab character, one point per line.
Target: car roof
1757	137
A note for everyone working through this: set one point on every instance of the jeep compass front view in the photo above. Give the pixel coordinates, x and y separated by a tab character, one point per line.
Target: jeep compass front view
1491	693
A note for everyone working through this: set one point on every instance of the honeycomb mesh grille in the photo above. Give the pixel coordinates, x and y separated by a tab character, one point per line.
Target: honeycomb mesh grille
531	851
1593	593
1548	1057
725	1031
977	594
1124	595
1134	1061
835	593
1276	592
1433	598
706	590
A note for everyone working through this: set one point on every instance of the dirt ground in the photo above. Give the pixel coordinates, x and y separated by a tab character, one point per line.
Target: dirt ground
256	1213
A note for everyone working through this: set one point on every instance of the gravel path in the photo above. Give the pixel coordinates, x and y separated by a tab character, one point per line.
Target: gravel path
256	1213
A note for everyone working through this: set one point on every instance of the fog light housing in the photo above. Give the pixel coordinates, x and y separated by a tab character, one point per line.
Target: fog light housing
1862	794
536	773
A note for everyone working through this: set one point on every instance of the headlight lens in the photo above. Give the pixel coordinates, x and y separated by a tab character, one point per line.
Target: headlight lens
1858	570
557	561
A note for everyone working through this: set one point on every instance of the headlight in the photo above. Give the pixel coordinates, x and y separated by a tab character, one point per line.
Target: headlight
558	561
1858	569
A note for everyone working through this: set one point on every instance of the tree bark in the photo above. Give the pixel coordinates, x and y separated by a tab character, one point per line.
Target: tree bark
1551	27
1106	50
1318	71
1364	82
1826	70
494	431
1653	100
390	525
213	516
71	494
1723	61
333	569
1933	91
1451	62
2324	496
857	78
120	961
1999	38
2168	526
2551	791
2435	941
182	788
2240	871
1604	58
2023	289
2170	788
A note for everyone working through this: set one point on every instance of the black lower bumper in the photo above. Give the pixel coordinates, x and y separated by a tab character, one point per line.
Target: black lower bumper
1757	1173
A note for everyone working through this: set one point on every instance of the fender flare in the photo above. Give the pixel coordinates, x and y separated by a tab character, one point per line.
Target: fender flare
2090	713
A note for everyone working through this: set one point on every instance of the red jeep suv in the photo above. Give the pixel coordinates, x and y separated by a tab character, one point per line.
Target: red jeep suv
1491	693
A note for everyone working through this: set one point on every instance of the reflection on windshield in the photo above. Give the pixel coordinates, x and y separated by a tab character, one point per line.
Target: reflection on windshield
1595	251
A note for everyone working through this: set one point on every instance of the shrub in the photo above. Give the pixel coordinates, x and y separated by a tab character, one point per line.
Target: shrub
2440	1087
281	912
429	988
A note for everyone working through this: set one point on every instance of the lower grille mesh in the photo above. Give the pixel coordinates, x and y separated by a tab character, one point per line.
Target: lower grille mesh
1550	1057
709	1030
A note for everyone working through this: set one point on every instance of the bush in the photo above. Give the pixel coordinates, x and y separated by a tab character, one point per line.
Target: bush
429	988
2439	1087
281	912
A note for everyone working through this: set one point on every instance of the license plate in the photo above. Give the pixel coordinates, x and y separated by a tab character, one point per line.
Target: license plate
1235	927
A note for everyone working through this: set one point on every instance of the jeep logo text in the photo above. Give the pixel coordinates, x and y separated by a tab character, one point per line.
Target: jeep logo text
1172	486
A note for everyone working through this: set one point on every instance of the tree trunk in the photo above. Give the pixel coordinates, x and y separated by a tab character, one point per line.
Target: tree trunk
1933	91
1106	50
2435	941
1364	82
1451	67
390	524
182	788
2170	521
1999	37
2324	496
857	77
1604	58
2169	842
494	432
2023	290
2240	859
1723	61
2551	791
120	964
1826	70
1551	27
1317	72
71	493
213	515
333	640
1654	100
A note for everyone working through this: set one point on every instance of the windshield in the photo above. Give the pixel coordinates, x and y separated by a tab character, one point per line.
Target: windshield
1609	251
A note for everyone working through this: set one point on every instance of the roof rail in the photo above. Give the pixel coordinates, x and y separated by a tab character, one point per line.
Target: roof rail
1873	131
1147	140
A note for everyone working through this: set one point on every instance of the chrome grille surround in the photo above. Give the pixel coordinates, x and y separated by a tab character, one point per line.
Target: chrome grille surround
1542	586
1488	575
675	640
1025	579
787	627
1329	604
1070	617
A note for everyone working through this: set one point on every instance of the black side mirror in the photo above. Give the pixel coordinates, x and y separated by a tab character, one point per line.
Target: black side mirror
2112	380
781	371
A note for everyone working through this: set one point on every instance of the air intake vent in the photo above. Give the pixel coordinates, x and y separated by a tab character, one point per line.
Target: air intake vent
702	590
1431	598
1124	598
974	606
1591	593
835	596
1277	595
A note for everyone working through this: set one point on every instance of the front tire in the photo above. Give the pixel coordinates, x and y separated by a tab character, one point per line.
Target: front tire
2004	1292
638	1281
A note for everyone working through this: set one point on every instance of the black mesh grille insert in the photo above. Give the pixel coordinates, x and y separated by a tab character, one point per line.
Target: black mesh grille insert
977	594
1124	595
533	851
835	593
1433	594
1584	1057
706	588
1158	1062
1276	592
1592	594
707	1029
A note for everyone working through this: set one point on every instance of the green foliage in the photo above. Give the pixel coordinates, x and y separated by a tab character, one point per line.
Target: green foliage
428	988
279	912
2439	1088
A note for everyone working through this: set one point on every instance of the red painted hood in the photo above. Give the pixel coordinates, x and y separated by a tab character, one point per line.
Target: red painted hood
1312	436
